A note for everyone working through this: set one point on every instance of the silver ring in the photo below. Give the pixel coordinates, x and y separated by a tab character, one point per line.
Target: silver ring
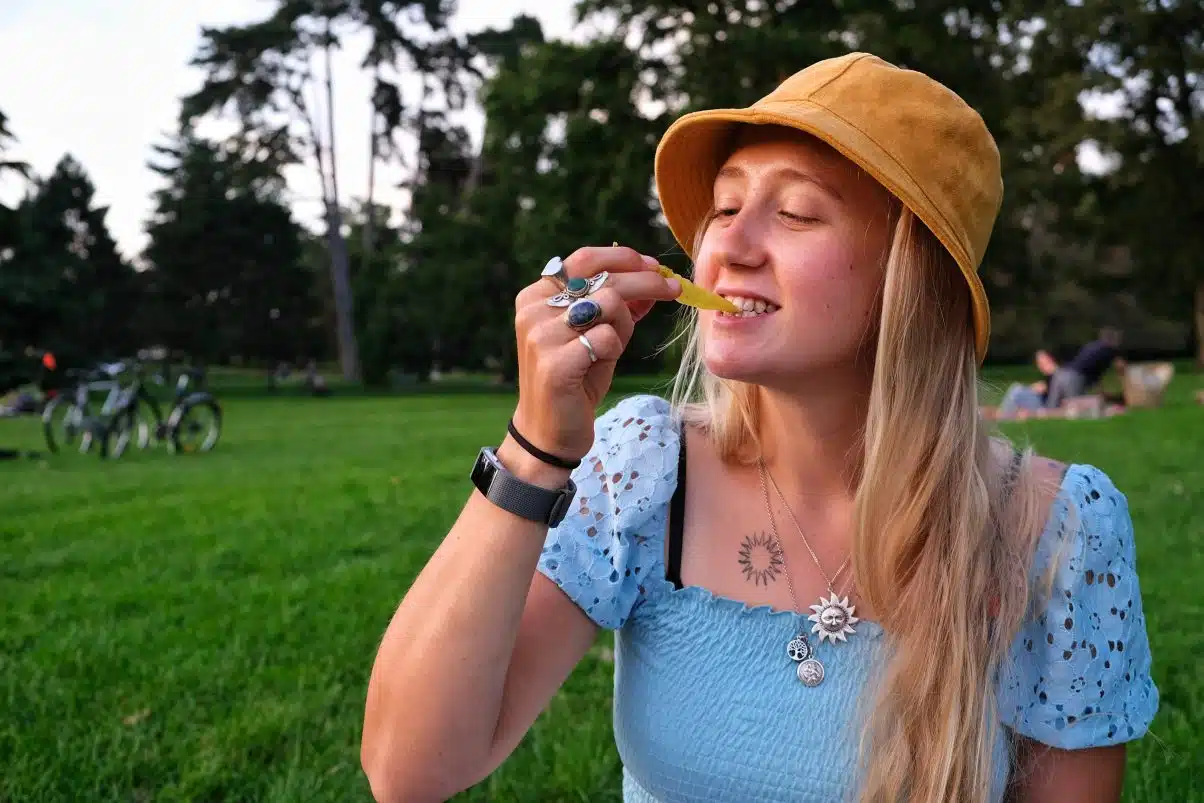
578	288
588	347
555	271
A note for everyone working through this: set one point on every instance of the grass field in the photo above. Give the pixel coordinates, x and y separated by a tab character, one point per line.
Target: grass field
202	628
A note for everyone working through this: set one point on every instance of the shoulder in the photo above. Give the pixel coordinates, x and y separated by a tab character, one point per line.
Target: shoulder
611	542
638	417
1079	672
1089	525
634	456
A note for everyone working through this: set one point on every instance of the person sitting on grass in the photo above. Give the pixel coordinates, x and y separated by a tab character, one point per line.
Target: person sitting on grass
1078	376
1085	370
827	579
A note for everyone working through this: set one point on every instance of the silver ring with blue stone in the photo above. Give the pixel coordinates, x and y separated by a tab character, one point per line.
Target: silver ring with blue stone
583	313
578	288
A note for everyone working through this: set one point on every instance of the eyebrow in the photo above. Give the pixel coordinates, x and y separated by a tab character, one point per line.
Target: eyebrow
789	173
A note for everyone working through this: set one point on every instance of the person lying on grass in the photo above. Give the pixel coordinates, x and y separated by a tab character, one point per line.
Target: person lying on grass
827	579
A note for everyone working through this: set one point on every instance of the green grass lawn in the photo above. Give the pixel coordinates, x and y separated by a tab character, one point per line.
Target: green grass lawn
201	628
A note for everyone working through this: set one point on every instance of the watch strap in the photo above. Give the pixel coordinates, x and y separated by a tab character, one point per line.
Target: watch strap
519	497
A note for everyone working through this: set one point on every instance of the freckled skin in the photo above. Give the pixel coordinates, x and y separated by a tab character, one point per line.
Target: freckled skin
814	243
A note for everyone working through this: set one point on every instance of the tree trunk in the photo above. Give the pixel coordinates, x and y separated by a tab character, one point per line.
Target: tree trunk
1199	328
340	277
369	230
340	267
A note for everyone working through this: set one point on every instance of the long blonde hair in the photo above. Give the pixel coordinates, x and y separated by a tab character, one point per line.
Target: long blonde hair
934	540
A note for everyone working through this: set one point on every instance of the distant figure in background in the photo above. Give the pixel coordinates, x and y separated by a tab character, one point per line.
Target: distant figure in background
1086	369
1075	378
314	380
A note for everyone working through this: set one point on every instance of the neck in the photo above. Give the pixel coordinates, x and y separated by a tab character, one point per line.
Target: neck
812	438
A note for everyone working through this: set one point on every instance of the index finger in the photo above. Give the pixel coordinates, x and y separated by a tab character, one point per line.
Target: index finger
589	260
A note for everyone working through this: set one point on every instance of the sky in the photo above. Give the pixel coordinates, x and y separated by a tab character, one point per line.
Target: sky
102	79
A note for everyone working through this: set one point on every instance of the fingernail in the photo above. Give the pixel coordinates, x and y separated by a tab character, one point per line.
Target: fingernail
651	262
674	286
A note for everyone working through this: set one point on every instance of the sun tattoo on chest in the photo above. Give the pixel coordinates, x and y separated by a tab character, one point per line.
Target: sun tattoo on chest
761	558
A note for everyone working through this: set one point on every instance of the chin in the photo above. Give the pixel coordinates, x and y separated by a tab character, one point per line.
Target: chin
766	369
751	368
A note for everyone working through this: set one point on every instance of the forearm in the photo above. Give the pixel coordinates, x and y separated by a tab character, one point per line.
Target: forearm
436	689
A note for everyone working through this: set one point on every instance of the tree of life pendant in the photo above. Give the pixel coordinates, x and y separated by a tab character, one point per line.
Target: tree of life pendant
799	649
833	619
811	672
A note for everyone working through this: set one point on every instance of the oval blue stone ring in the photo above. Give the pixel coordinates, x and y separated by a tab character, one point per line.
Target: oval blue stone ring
583	313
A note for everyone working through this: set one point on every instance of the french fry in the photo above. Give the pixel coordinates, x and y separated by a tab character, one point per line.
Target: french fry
694	296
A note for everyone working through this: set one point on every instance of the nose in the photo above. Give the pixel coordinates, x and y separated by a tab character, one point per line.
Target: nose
739	242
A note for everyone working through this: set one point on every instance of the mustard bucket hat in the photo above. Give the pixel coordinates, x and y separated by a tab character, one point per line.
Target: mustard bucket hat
919	139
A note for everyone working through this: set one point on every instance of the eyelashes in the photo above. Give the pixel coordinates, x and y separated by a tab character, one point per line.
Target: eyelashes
729	211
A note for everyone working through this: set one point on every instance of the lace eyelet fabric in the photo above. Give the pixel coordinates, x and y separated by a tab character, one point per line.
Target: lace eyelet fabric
604	553
1079	674
707	706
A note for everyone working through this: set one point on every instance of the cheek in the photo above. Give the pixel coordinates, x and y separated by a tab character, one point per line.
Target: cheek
832	285
706	266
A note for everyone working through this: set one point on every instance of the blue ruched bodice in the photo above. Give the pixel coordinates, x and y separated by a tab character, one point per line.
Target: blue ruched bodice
707	704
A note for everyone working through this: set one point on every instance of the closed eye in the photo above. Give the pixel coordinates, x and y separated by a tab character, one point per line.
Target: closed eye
799	218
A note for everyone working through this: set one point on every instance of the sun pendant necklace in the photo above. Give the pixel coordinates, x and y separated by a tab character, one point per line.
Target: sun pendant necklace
833	616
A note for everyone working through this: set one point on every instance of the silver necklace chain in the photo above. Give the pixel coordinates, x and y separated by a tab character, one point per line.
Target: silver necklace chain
833	617
765	473
774	528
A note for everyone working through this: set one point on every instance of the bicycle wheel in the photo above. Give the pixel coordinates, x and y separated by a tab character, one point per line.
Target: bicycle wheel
195	425
62	424
151	413
123	429
144	425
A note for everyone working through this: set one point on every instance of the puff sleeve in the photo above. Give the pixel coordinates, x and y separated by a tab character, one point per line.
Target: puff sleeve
610	542
1079	670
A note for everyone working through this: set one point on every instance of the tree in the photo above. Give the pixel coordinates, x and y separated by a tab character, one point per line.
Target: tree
266	72
564	162
1139	100
6	141
228	274
14	301
69	289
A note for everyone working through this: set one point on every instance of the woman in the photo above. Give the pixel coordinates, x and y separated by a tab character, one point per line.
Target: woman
827	581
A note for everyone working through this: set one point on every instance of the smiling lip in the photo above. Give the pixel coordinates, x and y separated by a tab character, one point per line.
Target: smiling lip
749	294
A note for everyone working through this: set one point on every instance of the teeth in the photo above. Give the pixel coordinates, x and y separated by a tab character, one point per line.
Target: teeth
750	307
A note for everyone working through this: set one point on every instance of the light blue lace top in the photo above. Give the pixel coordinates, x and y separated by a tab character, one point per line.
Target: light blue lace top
707	703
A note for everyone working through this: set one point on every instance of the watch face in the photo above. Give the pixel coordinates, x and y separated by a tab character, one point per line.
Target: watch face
484	469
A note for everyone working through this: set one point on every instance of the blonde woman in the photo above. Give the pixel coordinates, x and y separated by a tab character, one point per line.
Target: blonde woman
827	581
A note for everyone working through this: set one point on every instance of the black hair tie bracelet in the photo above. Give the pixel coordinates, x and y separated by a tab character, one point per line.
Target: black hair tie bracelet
535	451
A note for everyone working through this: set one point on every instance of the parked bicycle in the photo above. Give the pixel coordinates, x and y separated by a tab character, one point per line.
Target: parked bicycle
73	416
193	425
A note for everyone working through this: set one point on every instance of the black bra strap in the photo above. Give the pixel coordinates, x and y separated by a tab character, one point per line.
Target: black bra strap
677	509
